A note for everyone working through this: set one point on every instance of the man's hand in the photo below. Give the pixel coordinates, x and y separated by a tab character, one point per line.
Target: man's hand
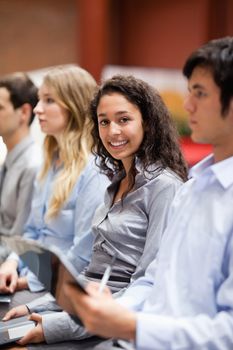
17	311
35	335
8	276
101	314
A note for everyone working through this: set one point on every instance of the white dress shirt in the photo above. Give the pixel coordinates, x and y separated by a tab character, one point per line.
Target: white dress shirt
185	300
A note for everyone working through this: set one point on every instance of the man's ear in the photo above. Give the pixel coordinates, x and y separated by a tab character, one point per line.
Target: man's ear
25	111
231	107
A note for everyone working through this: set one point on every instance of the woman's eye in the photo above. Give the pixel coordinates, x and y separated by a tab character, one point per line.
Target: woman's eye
49	100
124	120
103	122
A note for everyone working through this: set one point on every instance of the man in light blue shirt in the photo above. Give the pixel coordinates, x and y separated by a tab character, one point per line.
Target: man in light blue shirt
185	299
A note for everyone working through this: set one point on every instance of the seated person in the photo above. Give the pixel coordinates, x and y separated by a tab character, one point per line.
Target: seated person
138	148
18	97
66	194
185	300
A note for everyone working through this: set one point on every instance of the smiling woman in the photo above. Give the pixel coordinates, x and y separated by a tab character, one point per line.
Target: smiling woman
129	110
120	127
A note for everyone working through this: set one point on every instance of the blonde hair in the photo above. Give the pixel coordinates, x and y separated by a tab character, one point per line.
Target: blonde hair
73	88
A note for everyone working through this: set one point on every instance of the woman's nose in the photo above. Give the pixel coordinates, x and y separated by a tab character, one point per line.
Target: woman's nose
38	108
115	129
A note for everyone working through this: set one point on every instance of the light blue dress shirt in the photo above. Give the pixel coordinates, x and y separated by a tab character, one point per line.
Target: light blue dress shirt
72	226
185	300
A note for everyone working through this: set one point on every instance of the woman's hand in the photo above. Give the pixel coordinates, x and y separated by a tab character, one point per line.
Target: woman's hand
35	335
17	311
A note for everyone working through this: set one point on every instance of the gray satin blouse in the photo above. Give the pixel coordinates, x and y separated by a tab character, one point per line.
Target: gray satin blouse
133	230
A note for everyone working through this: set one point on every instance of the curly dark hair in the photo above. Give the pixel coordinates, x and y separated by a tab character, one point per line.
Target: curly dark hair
216	55
159	147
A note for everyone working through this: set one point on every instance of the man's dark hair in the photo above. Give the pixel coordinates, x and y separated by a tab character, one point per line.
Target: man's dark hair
21	89
216	55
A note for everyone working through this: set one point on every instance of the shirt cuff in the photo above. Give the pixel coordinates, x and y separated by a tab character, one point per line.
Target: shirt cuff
13	256
34	284
59	326
40	302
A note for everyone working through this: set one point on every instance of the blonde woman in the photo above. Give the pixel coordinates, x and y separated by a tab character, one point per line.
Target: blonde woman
65	196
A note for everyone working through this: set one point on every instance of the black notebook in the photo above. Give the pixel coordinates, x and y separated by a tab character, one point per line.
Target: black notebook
52	267
14	329
44	261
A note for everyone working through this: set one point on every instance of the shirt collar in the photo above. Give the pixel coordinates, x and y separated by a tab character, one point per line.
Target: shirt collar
140	179
221	170
152	170
18	150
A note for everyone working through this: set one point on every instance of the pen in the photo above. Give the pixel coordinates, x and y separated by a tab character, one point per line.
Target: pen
107	274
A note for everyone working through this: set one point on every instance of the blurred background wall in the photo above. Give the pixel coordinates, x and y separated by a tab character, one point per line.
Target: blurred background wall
37	33
149	33
100	33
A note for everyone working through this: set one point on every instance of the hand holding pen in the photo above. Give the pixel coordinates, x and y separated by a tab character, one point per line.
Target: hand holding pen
107	274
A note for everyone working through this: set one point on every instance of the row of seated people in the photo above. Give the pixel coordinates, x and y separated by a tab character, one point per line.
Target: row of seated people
133	175
173	266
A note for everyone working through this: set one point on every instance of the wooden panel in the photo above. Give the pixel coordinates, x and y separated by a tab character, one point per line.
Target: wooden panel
93	35
229	21
161	33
